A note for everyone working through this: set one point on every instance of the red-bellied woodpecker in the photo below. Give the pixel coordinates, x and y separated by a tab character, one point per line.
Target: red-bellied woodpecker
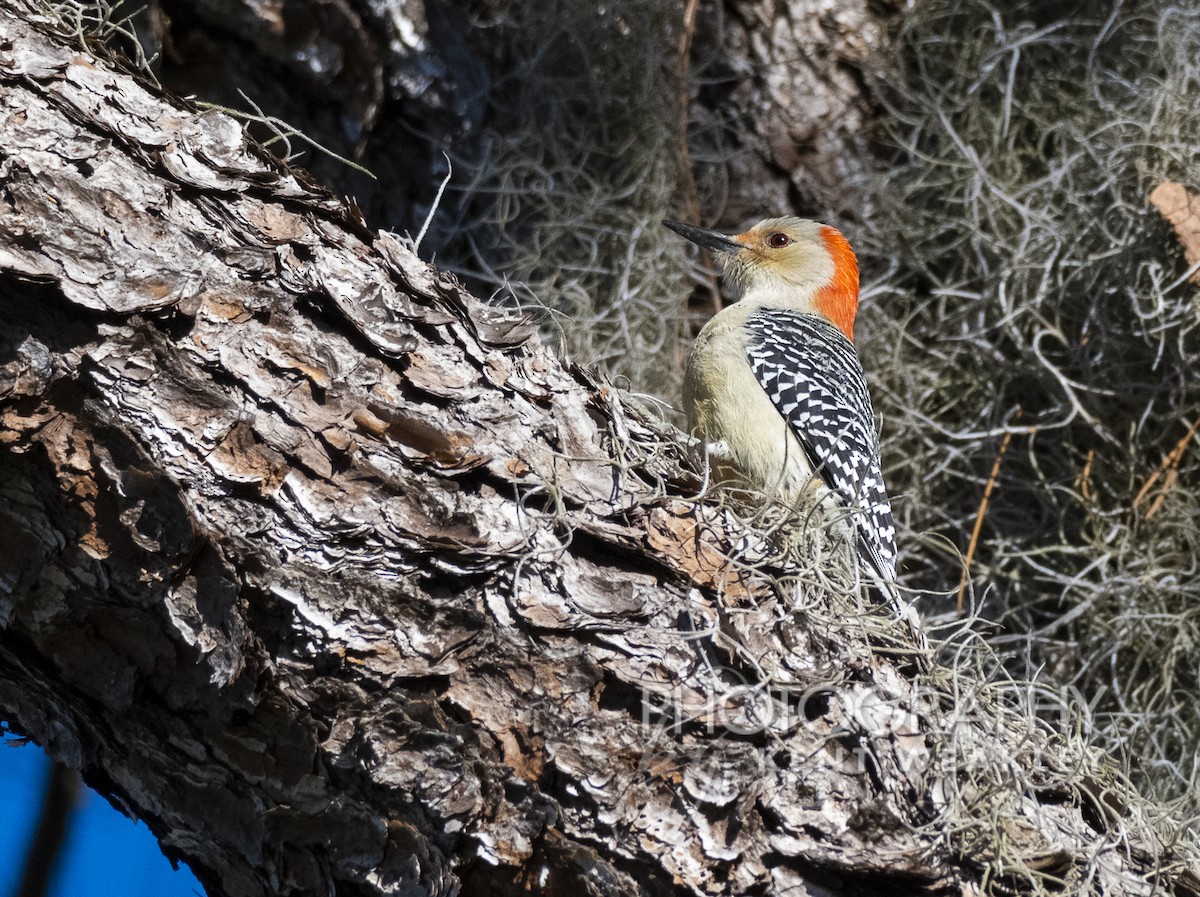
773	385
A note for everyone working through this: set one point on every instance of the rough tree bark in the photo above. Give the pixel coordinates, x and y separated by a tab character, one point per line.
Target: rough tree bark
341	582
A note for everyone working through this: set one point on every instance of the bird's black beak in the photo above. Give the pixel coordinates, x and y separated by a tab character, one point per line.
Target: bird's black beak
709	239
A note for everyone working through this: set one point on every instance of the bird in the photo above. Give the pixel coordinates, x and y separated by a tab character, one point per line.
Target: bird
774	388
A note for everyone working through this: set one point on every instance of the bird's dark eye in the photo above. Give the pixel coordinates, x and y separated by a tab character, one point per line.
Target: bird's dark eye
778	240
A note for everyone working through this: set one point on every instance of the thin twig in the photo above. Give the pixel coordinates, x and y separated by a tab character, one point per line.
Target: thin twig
53	825
1085	476
283	131
437	201
1169	467
979	515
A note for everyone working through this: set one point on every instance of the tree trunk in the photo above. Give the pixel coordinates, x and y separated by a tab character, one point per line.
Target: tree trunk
340	581
778	91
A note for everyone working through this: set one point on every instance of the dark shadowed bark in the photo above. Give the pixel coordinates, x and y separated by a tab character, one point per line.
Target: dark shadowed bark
344	584
780	90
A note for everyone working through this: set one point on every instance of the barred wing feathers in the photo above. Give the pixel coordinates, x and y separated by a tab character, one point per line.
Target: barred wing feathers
812	374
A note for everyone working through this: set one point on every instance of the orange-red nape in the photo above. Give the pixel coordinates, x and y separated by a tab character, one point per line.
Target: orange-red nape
838	299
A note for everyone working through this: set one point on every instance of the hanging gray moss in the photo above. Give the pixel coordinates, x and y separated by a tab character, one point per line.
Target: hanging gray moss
581	162
1024	285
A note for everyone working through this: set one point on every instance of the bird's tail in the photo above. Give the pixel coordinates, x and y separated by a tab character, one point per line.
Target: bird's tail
881	577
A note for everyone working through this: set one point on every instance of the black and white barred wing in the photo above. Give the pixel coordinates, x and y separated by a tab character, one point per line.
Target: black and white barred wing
812	374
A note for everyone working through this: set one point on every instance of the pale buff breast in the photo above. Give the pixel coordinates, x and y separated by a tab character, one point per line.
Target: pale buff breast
727	407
